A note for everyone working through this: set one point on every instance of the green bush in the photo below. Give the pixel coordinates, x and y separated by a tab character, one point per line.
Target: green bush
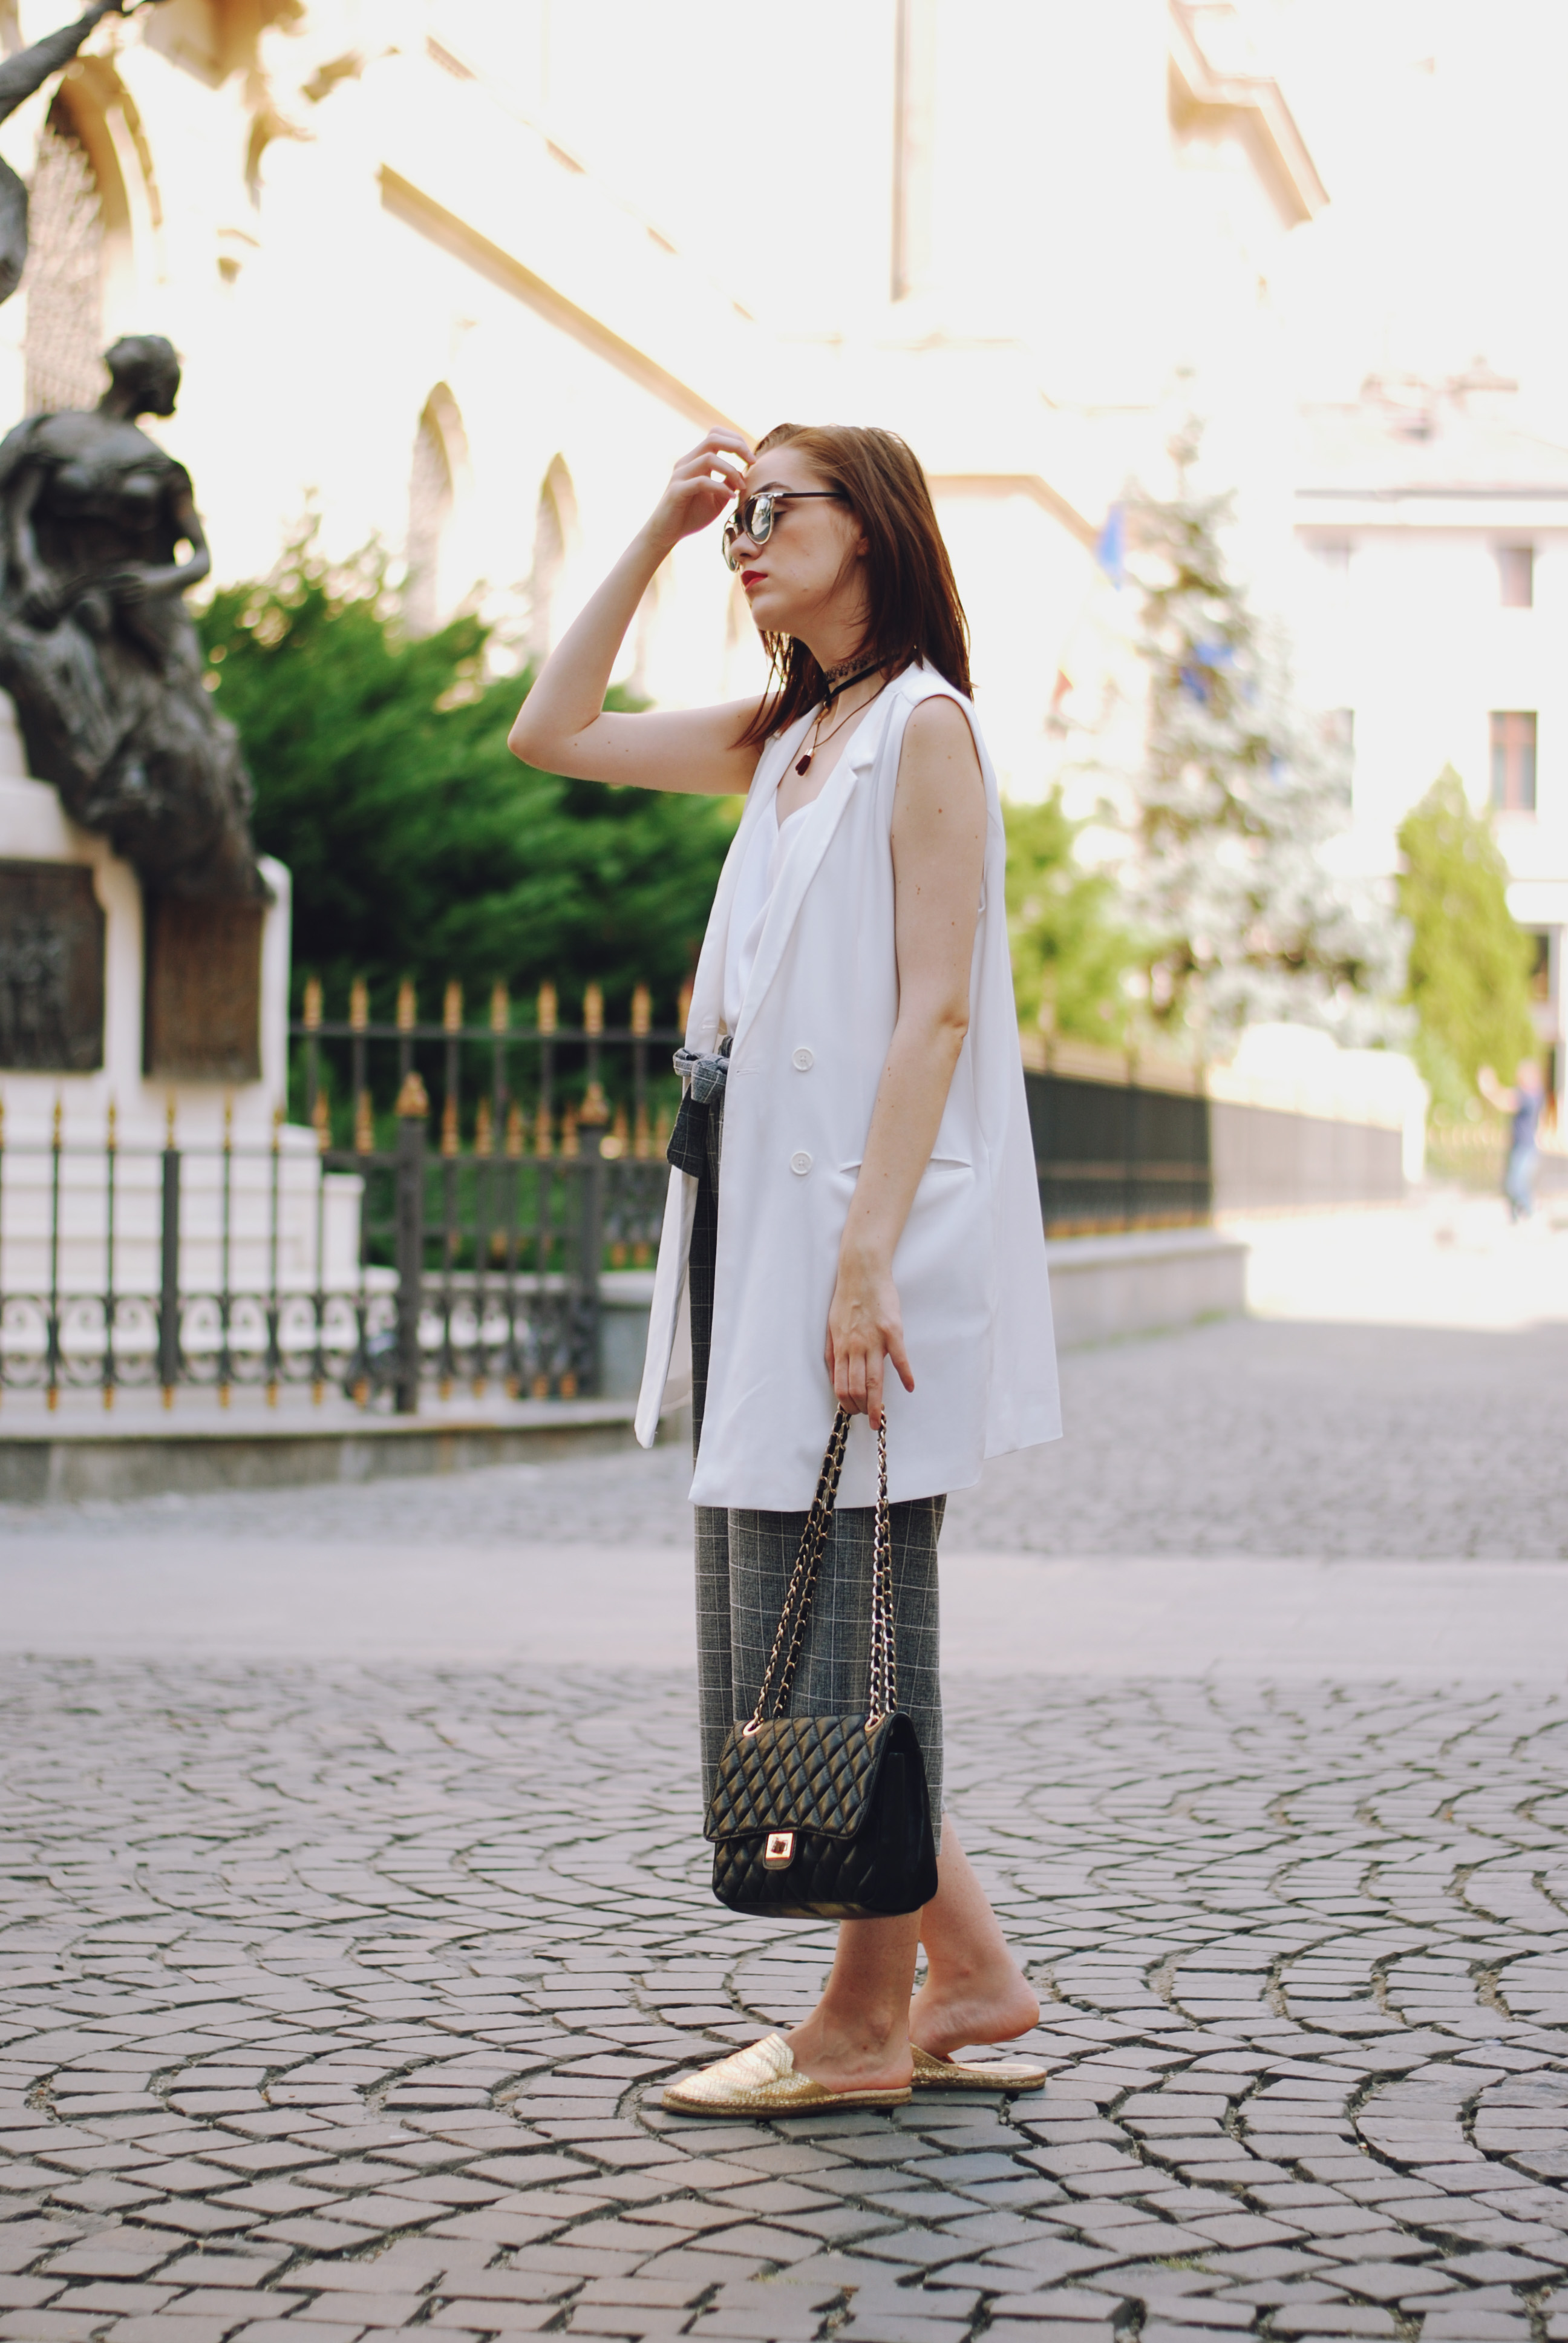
419	846
1470	962
1069	953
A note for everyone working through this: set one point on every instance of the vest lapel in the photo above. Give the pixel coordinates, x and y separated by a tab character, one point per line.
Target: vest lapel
805	858
708	984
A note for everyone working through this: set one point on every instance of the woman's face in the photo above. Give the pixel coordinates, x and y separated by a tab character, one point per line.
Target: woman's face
811	569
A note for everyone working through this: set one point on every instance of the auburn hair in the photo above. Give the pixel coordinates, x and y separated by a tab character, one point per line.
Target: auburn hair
912	606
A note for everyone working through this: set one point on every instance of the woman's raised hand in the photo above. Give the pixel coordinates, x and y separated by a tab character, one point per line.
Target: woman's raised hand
701	485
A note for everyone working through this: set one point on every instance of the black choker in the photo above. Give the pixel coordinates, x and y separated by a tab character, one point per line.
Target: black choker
832	691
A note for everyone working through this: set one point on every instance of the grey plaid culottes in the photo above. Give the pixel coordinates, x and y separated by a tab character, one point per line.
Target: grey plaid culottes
744	1559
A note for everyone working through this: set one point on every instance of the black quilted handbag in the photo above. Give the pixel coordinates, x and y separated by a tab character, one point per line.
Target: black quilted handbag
826	1817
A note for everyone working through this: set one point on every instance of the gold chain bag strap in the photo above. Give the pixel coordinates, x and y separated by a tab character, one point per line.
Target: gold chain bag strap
826	1817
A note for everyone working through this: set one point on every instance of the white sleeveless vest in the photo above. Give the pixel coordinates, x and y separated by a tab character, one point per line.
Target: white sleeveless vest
805	1063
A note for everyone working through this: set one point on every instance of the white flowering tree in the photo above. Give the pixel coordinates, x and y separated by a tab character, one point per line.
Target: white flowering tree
1229	802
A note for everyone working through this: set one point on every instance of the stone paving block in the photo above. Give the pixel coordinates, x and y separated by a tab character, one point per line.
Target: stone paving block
171	2326
26	2293
297	2331
1333	2319
1465	2324
51	2326
1171	2330
884	2327
605	2320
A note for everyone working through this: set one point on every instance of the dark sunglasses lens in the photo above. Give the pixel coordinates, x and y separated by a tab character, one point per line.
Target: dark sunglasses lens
759	512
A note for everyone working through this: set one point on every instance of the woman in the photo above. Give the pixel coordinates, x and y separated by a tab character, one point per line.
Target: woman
852	1160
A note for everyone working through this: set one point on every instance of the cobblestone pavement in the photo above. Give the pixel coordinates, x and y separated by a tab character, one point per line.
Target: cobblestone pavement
334	2003
1253	1437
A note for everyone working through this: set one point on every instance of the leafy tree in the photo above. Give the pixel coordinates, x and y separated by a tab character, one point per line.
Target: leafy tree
419	846
1232	800
1069	951
1469	962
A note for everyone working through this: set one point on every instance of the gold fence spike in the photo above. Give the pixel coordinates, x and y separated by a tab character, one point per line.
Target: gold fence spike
452	1008
548	1009
450	1127
542	1141
59	1124
364	1126
595	1108
359	1004
514	1130
500	1009
641	1009
482	1133
593	1009
321	1120
405	1006
228	1134
642	1141
110	1138
169	1121
568	1131
413	1102
312	1004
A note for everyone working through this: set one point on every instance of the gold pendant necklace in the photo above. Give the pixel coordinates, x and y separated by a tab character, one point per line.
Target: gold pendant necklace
803	764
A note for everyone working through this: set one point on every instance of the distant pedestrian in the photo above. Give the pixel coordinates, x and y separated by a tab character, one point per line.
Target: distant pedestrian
1524	1103
853	1070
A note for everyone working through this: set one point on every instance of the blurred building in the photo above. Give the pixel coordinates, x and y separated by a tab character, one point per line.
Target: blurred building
1431	590
467	275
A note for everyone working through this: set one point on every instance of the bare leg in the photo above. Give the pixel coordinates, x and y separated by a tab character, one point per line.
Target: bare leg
974	1990
858	2036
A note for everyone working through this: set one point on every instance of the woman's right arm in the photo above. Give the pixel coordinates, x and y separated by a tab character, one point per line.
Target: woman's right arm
563	727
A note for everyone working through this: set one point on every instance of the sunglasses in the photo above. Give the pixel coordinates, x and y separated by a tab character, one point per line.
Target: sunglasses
754	516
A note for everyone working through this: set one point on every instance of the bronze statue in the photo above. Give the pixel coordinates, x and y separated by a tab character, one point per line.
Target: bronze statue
96	648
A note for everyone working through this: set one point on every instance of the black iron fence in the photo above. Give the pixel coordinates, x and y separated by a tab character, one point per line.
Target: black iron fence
1116	1145
545	1166
388	1243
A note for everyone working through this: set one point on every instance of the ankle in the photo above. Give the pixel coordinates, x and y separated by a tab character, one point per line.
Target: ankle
866	2031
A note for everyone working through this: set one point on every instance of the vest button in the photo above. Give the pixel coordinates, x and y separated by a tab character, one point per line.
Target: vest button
800	1162
803	1059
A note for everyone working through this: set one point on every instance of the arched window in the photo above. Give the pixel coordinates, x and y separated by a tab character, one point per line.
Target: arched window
435	485
429	510
63	279
555	540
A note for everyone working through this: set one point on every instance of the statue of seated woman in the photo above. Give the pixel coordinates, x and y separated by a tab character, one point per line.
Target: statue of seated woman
97	648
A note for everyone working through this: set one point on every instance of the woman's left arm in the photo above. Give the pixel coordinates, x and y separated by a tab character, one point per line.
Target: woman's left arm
939	864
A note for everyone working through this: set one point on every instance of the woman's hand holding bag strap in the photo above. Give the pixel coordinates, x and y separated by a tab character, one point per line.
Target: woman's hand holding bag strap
826	1817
